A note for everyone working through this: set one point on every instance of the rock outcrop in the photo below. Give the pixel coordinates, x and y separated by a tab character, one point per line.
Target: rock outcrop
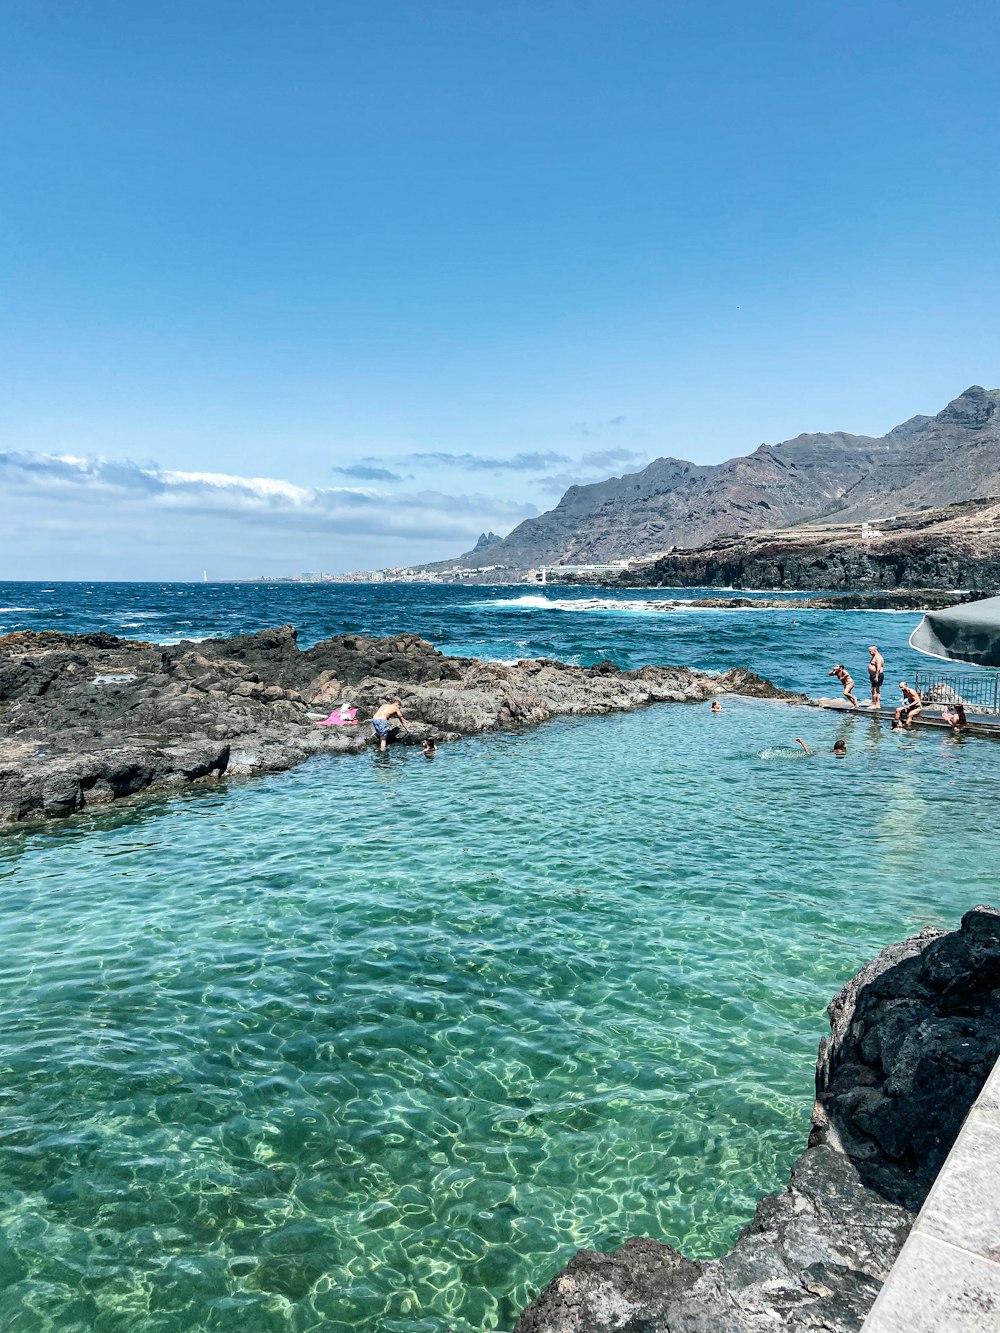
486	540
913	1039
956	547
927	461
88	719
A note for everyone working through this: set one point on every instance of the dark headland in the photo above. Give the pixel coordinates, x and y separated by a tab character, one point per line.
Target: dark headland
922	481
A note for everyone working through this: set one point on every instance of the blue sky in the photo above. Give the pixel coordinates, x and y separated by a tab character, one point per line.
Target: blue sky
326	285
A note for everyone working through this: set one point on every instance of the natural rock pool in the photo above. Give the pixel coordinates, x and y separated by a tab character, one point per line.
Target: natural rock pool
377	1043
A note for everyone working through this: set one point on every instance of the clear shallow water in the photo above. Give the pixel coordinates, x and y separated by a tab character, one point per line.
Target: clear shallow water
579	625
376	1044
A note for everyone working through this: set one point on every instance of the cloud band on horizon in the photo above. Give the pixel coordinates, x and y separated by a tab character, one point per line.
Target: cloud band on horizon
77	502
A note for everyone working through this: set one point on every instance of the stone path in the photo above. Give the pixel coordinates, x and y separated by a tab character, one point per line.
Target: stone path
947	1276
980	724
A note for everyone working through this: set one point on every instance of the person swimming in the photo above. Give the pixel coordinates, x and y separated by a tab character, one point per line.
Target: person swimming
716	706
839	747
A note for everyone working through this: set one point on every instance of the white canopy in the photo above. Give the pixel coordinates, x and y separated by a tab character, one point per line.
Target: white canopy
966	633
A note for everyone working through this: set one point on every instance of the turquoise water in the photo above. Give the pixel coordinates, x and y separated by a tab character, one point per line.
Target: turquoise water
378	1043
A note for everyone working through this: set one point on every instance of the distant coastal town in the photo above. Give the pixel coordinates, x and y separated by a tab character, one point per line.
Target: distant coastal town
457	574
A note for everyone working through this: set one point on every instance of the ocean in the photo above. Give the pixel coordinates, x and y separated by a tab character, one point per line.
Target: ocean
379	1042
573	624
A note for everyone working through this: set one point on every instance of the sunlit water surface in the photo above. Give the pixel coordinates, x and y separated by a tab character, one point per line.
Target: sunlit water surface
796	648
376	1044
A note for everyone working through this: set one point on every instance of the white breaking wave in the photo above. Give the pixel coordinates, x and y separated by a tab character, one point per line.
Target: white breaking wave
16	608
166	642
535	602
647	606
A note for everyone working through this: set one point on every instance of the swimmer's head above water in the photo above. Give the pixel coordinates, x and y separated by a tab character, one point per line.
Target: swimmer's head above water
839	747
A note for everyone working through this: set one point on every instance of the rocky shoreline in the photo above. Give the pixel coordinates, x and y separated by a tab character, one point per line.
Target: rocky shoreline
917	599
89	719
86	720
911	599
914	1037
938	550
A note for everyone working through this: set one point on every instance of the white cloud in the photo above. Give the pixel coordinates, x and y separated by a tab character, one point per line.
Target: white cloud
66	508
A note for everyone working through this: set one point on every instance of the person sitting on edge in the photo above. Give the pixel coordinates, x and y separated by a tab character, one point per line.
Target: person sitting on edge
843	675
716	706
911	707
381	719
430	747
876	675
839	747
955	717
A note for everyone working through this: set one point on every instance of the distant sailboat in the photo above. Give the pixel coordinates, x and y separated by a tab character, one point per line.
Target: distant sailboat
204	576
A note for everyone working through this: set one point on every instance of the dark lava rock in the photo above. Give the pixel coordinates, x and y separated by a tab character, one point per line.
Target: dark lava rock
830	477
87	719
906	599
913	1039
740	680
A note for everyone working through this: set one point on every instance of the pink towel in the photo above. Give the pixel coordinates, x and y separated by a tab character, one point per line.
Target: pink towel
340	717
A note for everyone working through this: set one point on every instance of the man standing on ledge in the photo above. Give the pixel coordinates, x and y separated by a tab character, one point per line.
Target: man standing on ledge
381	719
876	675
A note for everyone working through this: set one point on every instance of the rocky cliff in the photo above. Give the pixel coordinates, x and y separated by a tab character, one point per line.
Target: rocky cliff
913	1039
928	460
956	547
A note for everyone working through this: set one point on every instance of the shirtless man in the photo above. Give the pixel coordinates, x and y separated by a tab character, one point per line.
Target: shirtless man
911	706
381	719
843	675
876	675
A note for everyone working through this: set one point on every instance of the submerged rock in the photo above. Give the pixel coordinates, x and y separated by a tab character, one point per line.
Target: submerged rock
913	1039
87	719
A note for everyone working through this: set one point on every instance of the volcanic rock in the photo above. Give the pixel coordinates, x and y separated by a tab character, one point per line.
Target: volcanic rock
956	547
913	1039
88	719
928	461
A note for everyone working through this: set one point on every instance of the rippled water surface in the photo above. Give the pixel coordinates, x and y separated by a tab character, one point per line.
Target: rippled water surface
376	1044
579	625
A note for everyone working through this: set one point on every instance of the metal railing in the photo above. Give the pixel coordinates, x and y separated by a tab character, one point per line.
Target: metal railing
975	689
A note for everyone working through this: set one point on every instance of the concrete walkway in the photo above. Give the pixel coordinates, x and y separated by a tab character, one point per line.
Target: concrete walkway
980	724
947	1276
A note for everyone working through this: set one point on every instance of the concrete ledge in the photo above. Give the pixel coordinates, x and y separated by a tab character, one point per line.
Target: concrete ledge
947	1276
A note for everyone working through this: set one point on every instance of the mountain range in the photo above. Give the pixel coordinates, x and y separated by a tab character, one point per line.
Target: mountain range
927	462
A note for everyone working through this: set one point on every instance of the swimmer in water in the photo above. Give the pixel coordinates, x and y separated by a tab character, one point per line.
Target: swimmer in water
716	706
839	747
430	747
